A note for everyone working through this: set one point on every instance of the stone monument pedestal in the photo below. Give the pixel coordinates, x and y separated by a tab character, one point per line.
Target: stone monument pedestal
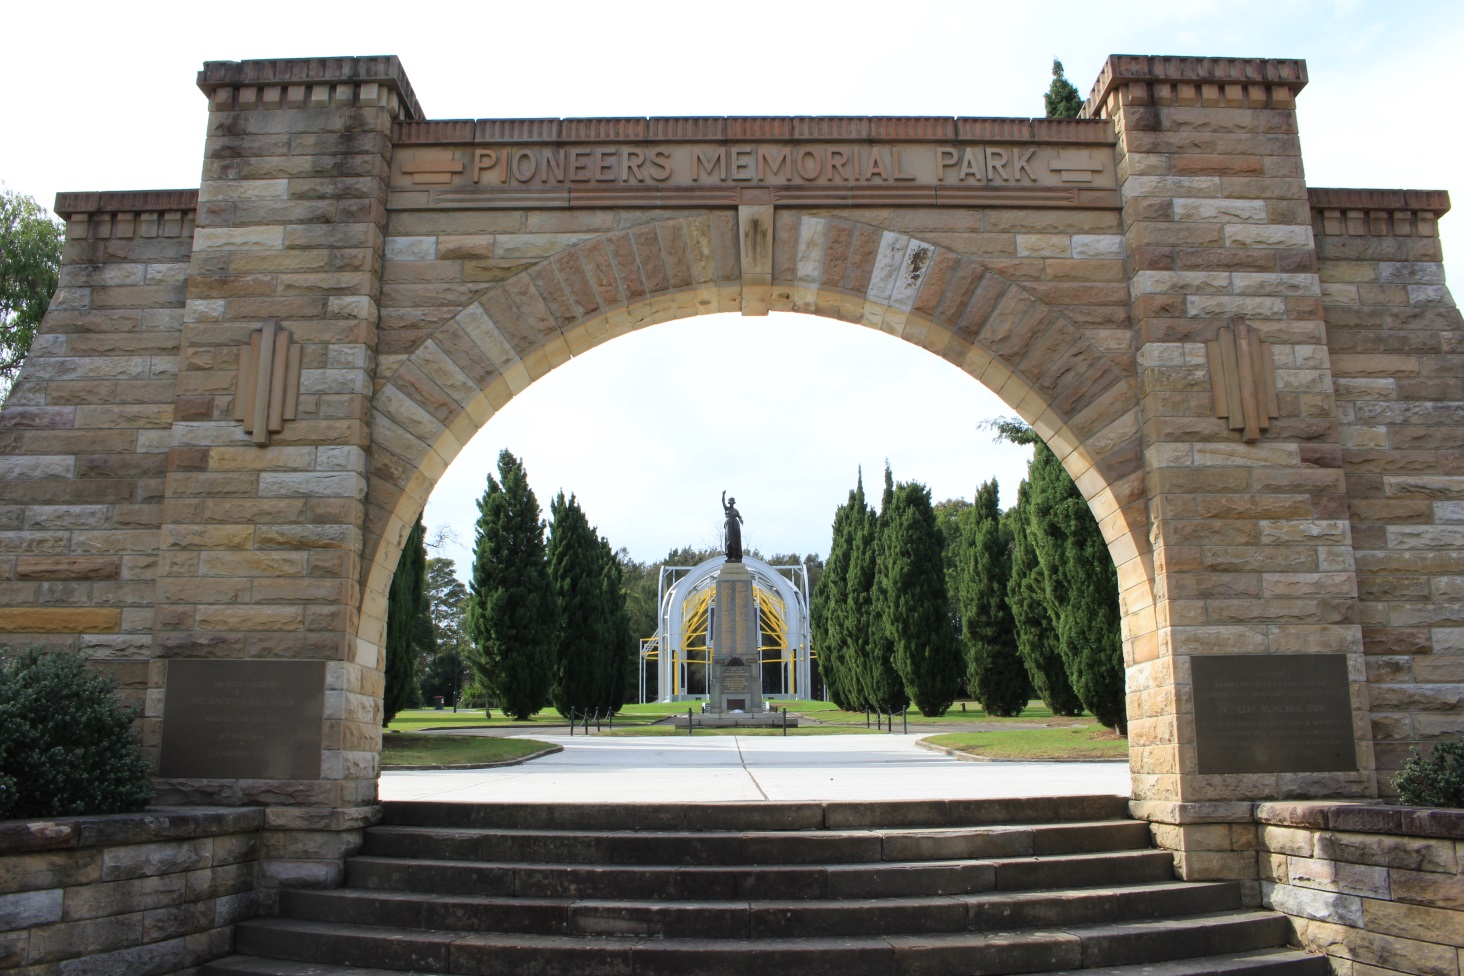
734	683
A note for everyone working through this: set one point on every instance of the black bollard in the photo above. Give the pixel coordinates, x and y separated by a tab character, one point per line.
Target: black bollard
688	720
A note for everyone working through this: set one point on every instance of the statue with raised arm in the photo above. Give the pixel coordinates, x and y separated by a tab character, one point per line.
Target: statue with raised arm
733	529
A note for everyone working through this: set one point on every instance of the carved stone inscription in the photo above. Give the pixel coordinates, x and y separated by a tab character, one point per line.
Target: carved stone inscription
1282	713
764	163
495	175
243	719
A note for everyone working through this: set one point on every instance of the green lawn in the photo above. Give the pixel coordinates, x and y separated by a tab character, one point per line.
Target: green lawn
417	719
446	750
667	730
421	719
1067	742
662	709
1035	711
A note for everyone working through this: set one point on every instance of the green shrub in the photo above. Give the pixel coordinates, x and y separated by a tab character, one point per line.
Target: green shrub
67	747
1436	780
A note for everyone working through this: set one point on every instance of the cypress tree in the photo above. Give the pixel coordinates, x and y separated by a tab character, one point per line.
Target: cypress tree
855	620
1089	627
406	602
1036	629
911	604
829	603
1082	588
512	612
1061	98
995	673
586	630
881	682
614	664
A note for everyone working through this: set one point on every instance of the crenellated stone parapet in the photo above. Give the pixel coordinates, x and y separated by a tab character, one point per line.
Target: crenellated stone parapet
1250	83
428	132
313	83
1377	213
136	213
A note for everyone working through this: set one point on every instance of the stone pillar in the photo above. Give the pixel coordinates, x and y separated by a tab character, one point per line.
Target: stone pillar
262	530
1252	547
735	637
84	438
1395	337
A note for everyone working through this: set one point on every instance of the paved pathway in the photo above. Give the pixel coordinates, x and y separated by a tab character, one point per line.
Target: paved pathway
708	768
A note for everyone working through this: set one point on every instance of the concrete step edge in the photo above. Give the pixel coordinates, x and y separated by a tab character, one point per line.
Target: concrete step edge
1261	962
1157	927
793	815
430	830
810	904
1084	856
1252	963
724	919
751	847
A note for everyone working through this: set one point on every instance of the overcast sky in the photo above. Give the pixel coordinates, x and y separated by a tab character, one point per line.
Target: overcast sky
781	411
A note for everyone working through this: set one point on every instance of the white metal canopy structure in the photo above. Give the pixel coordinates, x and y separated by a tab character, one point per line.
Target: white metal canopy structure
683	642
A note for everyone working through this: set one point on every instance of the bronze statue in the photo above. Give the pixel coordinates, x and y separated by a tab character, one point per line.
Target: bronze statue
733	529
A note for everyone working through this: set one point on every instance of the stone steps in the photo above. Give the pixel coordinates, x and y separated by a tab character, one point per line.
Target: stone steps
752	847
714	882
942	888
759	919
920	954
1260	962
811	815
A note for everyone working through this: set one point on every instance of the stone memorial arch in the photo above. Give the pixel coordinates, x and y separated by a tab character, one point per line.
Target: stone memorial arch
243	394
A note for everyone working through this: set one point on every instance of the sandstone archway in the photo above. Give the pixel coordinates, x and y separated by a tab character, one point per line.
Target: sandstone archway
1254	384
1044	367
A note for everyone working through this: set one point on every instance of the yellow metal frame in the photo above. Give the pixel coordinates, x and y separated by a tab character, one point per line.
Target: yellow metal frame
772	618
695	633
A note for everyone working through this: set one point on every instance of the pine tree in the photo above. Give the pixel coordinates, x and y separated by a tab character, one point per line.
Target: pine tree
424	636
882	684
911	604
1062	99
995	673
1082	588
1036	629
586	632
447	600
406	602
512	612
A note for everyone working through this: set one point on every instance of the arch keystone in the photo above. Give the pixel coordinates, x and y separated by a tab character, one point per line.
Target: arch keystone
755	240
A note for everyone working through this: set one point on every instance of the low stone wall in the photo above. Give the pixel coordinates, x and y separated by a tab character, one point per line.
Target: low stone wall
1377	888
153	892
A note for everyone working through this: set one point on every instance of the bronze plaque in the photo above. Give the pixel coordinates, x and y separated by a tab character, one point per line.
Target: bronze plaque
737	679
243	719
1273	713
